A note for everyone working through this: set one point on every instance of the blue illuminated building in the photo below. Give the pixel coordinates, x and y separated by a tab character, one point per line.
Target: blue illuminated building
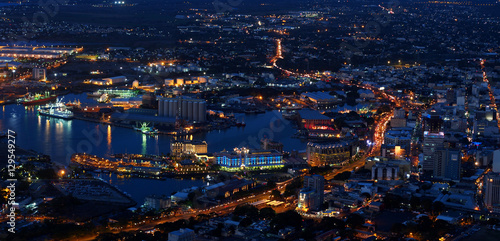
244	158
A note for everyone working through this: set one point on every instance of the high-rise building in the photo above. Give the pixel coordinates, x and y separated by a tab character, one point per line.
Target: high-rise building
183	108
432	142
491	191
447	164
39	74
311	197
496	161
433	123
316	182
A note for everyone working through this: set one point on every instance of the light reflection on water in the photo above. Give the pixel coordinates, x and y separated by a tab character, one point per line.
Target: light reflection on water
61	138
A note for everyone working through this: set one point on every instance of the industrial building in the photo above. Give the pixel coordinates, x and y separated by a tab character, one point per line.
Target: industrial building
195	80
183	108
36	52
109	81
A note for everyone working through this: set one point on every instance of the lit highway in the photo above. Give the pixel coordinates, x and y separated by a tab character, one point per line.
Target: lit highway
490	91
222	209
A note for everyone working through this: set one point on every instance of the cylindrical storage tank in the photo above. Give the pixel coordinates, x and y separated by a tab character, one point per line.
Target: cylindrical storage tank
175	105
202	112
196	109
184	110
166	108
190	110
171	108
160	107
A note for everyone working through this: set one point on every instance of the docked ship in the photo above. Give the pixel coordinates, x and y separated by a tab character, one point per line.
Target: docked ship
58	110
144	128
37	99
103	98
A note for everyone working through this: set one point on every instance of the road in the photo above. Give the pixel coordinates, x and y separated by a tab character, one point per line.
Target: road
380	128
491	93
222	209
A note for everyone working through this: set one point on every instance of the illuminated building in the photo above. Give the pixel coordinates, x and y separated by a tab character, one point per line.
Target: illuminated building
313	120
188	147
399	137
36	52
244	158
183	108
432	142
189	166
181	81
491	191
311	197
338	153
109	81
392	151
321	100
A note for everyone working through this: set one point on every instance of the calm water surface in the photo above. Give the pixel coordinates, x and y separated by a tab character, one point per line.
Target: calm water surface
61	138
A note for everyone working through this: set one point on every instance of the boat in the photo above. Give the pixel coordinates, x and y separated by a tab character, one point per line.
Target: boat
37	99
73	104
58	110
241	124
103	98
94	94
146	129
254	111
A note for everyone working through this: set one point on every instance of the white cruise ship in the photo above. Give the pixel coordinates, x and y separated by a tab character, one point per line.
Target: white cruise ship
58	110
